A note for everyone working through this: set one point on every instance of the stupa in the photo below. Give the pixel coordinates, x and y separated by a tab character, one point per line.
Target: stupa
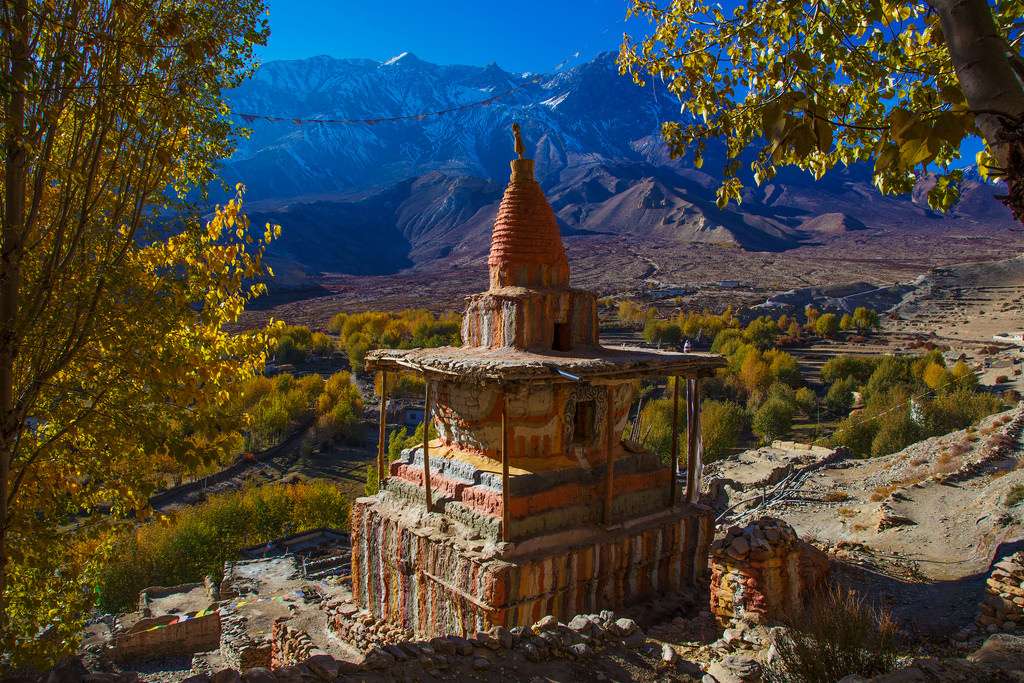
529	502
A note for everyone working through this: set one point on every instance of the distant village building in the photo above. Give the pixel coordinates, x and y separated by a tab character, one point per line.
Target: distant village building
729	284
1010	338
405	413
528	503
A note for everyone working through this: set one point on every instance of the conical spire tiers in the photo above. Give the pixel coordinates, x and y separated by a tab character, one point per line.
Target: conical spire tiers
526	248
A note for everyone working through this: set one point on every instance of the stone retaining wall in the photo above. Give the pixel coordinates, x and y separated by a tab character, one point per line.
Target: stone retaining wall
1003	605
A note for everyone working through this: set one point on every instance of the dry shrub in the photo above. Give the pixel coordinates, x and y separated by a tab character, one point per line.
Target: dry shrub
919	460
958	449
1015	495
836	496
944	458
882	492
838	634
846	512
859	526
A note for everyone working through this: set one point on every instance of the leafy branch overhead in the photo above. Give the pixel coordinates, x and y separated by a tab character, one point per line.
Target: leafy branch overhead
817	84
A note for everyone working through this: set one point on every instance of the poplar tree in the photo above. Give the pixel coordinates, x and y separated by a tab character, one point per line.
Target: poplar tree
816	83
113	300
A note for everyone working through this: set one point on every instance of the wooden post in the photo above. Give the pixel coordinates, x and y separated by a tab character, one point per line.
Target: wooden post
609	473
674	485
692	425
382	437
505	512
426	445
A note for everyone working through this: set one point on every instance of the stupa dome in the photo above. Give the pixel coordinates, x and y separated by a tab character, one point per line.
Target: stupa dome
526	248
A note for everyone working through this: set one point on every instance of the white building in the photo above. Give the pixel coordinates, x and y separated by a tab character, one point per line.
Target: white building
1010	338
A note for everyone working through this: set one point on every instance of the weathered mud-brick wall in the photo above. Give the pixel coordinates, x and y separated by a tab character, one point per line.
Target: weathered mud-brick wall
433	584
762	571
155	637
1003	605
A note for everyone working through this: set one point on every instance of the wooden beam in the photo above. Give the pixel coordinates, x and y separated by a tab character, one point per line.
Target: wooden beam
693	434
674	488
609	460
505	510
426	446
382	437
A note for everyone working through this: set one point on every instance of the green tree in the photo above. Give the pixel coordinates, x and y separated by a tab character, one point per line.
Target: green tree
842	367
114	297
827	325
661	333
807	400
895	432
761	332
865	319
846	323
857	434
773	420
816	84
839	398
721	424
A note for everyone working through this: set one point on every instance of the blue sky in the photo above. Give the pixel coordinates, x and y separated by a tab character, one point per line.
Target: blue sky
527	35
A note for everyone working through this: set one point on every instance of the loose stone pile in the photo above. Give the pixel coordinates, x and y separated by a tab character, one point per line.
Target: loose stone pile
580	639
762	571
359	628
290	646
1003	606
237	645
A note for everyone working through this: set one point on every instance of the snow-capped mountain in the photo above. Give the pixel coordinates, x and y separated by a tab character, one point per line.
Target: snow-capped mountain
377	197
566	118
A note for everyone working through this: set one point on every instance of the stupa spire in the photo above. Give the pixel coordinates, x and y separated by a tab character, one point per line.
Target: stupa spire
526	248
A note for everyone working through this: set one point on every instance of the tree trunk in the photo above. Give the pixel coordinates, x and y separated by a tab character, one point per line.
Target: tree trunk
984	64
15	174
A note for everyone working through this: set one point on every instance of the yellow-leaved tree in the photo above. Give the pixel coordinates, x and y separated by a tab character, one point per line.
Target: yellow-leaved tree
815	83
113	296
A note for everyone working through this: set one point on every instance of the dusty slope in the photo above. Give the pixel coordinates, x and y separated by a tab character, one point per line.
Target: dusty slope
918	529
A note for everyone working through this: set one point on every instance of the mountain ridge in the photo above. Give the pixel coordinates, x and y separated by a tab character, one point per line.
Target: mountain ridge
426	189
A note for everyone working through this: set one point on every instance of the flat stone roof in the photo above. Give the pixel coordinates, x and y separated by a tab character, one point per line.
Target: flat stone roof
591	363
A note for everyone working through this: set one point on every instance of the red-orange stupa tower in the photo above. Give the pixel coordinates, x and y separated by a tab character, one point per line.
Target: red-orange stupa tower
528	502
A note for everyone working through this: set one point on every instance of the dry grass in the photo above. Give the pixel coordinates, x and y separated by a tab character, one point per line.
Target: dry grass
859	526
836	496
882	492
1015	495
919	460
846	512
837	635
